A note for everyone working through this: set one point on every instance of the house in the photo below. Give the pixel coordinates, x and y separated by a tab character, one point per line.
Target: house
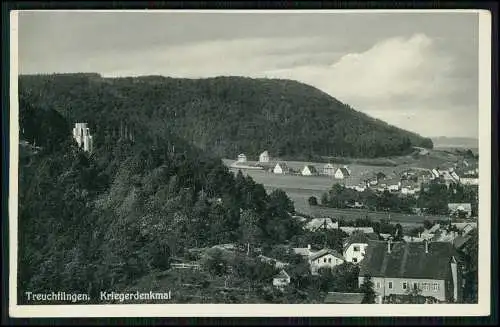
81	134
342	173
242	158
325	258
357	186
465	228
329	170
391	184
321	224
409	187
264	157
435	173
430	268
281	280
350	230
344	298
309	170
281	168
457	209
355	247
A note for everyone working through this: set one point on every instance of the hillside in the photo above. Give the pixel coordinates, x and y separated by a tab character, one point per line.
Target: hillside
101	221
223	116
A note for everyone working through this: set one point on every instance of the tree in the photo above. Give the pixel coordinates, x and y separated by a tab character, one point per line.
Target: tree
249	228
313	201
367	289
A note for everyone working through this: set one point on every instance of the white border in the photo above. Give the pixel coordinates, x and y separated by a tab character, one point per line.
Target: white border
271	310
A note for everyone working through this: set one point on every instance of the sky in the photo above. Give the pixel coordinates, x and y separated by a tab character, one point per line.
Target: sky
413	70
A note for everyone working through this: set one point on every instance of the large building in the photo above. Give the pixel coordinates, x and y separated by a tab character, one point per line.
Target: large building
397	268
82	136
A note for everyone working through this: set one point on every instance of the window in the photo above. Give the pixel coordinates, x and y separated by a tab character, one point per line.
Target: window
356	248
390	285
329	260
405	285
435	287
354	259
324	260
427	286
378	284
415	286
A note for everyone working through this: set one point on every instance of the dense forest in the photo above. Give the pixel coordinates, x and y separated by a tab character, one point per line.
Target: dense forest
100	221
223	116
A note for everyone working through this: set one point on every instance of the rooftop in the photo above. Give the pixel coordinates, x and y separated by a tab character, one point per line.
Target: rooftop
323	252
408	260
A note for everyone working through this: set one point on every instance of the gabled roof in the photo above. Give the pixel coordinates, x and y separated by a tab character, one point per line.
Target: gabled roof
311	168
283	165
408	260
324	252
344	298
356	238
265	153
344	171
282	274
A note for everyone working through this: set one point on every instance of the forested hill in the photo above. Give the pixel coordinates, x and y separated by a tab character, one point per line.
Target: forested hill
99	221
224	116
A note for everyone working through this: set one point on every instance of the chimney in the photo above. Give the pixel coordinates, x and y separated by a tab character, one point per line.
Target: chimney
426	242
389	245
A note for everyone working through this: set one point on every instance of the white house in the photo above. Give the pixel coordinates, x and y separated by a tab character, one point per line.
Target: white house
309	170
329	170
355	247
264	157
326	258
242	158
281	280
342	173
281	168
81	134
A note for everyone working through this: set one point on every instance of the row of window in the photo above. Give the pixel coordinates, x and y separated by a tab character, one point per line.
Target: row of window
329	260
414	285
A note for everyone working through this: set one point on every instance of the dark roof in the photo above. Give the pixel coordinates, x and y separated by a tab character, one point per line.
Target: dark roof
356	237
408	260
460	241
344	171
344	298
311	168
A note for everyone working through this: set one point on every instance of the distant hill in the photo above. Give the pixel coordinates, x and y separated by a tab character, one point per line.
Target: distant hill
225	115
455	142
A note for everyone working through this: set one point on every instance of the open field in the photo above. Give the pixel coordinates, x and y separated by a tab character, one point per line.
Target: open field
300	188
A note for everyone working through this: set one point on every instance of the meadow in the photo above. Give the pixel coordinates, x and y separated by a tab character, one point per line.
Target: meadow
300	188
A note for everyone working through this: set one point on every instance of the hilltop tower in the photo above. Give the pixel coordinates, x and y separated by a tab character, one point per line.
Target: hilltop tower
82	136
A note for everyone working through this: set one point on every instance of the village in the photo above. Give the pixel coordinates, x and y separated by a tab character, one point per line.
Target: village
423	265
402	182
427	268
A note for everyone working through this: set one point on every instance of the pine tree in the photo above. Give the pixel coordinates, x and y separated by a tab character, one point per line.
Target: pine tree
367	289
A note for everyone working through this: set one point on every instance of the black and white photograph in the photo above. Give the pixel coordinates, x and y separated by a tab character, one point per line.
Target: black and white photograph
335	158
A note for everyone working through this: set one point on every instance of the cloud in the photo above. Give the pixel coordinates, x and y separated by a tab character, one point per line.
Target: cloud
393	79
